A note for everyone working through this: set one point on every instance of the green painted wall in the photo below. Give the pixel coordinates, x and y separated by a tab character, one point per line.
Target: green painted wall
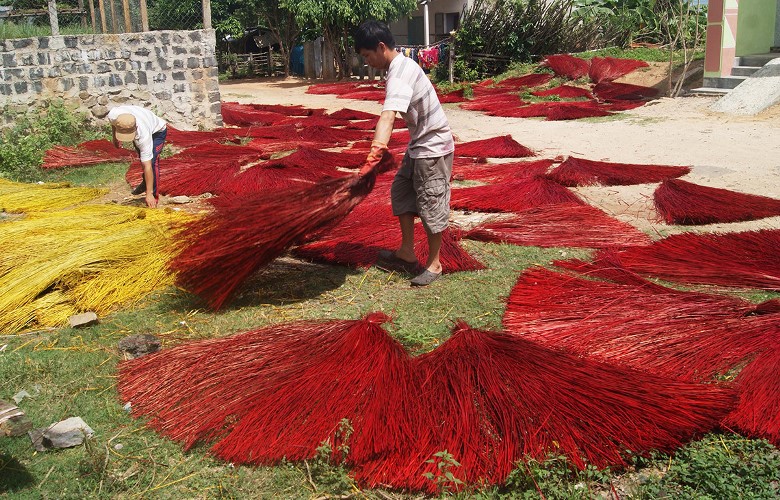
755	26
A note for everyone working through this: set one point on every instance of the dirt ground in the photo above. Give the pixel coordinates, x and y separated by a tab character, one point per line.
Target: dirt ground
726	151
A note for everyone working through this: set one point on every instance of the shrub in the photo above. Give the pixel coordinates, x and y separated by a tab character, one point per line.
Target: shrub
23	145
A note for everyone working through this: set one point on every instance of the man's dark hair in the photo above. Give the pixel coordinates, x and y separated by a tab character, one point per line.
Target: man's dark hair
370	33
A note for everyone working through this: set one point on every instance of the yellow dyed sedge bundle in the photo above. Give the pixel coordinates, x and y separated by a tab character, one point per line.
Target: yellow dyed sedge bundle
16	197
85	258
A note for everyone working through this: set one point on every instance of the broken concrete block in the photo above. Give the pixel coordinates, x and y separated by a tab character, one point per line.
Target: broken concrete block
65	434
135	346
13	421
84	319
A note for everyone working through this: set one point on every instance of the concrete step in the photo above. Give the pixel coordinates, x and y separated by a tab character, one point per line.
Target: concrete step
708	91
755	60
744	70
724	82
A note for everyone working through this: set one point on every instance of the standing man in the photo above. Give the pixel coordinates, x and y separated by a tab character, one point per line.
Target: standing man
422	185
147	132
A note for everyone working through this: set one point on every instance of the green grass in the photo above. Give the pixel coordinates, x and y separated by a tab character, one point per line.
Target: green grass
11	30
96	175
641	53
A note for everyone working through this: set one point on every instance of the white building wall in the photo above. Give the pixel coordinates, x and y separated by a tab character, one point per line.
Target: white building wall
438	26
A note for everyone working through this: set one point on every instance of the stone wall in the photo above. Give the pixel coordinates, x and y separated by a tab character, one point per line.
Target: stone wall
173	73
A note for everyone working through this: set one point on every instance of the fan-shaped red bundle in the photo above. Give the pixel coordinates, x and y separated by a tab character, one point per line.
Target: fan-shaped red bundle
633	322
370	124
499	172
680	202
512	196
566	65
529	80
285	132
618	105
332	88
364	95
87	153
234	113
493	102
495	147
272	175
189	138
450	97
313	121
352	114
566	91
553	110
561	225
271	394
371	227
758	412
606	69
485	91
575	110
745	260
306	157
197	170
581	172
335	135
289	109
219	251
609	91
491	399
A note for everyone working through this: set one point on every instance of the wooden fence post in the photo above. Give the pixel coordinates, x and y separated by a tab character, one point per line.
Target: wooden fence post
83	14
114	20
92	15
53	20
126	15
144	16
451	57
206	14
103	24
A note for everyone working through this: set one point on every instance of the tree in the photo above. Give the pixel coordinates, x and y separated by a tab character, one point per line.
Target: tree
282	25
337	19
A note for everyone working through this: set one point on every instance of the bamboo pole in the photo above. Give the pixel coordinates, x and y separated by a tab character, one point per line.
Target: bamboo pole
126	15
103	24
144	16
53	20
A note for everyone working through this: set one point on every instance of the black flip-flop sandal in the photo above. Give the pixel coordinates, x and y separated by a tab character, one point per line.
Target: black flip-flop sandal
425	278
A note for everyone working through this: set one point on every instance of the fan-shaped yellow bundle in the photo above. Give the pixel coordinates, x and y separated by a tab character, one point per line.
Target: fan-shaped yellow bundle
16	197
90	257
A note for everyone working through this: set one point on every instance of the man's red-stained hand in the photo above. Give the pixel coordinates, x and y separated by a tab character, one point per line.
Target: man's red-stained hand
372	160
